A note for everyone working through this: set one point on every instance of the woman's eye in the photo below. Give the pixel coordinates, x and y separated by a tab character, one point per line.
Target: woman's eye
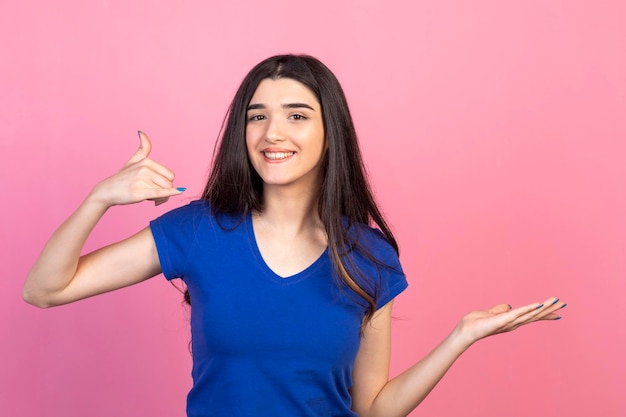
256	117
297	117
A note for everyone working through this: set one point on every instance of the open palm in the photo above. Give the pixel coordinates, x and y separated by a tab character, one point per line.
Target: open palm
502	318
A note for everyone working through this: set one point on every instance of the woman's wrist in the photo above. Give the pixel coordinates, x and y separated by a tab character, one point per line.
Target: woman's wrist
460	339
97	202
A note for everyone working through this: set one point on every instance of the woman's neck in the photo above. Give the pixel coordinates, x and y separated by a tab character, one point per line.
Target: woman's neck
288	209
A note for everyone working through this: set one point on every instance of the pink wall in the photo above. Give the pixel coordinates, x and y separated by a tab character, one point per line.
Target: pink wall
495	133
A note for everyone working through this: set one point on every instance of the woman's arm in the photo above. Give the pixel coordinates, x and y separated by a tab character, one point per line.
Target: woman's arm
60	275
374	395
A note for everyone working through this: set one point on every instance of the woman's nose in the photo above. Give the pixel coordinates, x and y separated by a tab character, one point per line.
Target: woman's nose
275	132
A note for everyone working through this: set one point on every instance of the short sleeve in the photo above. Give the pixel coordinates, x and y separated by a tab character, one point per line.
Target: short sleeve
174	235
392	278
379	265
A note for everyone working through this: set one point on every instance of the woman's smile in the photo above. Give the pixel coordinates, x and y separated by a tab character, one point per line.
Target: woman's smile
277	156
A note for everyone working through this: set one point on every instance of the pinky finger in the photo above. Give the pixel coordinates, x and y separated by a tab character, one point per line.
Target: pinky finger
551	316
165	194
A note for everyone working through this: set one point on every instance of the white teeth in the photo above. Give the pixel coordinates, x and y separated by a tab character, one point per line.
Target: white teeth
277	155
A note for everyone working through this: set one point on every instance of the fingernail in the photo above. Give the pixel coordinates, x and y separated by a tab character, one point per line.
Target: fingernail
510	306
539	306
563	306
554	302
557	318
139	132
181	189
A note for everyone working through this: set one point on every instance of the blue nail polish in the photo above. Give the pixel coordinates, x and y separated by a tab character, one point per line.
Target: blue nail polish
563	306
510	306
554	302
181	189
539	306
557	318
139	133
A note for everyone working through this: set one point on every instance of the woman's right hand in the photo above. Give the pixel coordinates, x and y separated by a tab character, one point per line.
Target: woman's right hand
140	179
62	275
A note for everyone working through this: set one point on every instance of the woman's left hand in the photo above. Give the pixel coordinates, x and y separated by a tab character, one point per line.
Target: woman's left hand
503	318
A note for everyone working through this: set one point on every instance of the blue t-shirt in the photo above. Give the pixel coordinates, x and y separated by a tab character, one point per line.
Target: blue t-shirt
264	345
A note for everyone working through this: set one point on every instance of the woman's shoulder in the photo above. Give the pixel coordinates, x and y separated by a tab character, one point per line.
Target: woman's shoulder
199	212
369	236
369	244
191	210
377	259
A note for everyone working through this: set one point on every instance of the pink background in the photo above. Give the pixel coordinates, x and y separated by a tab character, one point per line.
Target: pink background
494	132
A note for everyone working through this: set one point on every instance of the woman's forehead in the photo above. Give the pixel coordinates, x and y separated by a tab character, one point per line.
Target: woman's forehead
283	91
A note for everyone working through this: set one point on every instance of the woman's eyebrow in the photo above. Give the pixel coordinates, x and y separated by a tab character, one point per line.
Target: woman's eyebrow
297	106
284	106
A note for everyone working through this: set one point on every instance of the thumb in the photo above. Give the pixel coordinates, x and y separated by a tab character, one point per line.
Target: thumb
145	146
500	308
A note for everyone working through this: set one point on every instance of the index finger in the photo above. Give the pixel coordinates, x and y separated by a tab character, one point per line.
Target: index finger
162	170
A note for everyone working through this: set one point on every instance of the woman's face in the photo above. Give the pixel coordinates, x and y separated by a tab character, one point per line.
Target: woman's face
285	133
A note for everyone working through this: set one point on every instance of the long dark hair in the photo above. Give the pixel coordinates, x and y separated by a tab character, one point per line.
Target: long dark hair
345	197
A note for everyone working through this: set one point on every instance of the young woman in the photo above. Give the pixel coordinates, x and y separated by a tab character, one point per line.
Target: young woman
290	268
